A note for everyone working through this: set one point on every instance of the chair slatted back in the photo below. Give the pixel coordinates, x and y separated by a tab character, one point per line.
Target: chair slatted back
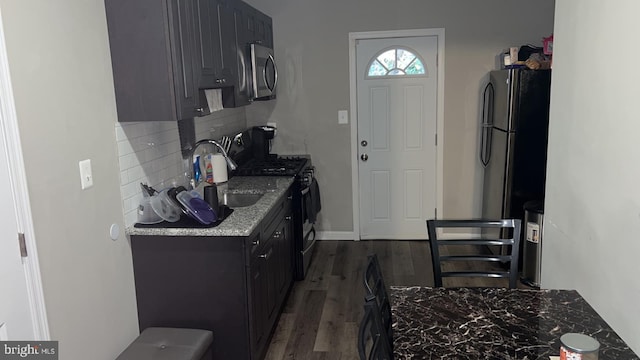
373	342
512	244
375	288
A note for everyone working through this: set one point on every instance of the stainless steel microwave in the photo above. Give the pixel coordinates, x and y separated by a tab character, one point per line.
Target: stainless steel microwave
264	74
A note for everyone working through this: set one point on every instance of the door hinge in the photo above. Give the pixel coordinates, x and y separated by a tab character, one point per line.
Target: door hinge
435	211
436	136
23	245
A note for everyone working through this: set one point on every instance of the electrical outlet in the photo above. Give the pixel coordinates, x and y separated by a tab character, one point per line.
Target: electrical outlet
343	117
86	177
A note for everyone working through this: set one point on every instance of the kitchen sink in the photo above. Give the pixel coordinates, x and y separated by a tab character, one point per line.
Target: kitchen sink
233	200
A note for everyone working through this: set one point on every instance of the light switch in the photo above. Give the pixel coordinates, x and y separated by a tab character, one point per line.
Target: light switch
86	178
343	117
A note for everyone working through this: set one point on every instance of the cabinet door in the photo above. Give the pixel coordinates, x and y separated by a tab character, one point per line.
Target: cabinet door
259	291
260	28
207	39
268	31
288	252
250	24
264	294
279	238
271	263
182	53
240	58
263	30
228	47
284	257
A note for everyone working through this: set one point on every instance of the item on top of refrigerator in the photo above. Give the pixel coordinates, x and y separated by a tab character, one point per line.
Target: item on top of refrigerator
547	45
526	51
537	61
513	54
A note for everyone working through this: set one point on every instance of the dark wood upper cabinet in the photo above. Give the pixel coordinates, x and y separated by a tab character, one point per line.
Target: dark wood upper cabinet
216	43
165	52
152	50
207	60
239	60
258	27
181	32
228	43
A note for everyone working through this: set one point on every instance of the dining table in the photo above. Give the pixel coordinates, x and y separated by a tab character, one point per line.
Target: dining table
494	323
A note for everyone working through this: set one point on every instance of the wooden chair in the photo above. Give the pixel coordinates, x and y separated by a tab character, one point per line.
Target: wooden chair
512	244
375	288
373	342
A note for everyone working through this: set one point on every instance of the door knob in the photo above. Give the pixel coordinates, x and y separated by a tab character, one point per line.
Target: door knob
364	157
364	143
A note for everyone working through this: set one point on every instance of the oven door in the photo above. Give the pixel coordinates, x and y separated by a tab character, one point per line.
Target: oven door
264	74
309	242
308	230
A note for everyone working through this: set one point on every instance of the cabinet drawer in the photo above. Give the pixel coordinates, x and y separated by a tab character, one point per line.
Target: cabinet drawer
277	214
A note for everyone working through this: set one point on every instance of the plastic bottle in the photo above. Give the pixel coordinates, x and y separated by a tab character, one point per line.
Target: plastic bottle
208	168
196	170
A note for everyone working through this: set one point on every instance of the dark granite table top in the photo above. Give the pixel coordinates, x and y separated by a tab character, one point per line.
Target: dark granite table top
490	323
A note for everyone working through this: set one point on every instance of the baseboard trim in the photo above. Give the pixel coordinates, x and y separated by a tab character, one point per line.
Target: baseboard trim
349	235
335	235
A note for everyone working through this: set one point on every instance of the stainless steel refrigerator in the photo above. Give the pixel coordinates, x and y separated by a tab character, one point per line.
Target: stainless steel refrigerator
515	123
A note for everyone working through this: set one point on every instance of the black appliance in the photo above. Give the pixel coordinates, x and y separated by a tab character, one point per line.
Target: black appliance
305	200
261	137
514	141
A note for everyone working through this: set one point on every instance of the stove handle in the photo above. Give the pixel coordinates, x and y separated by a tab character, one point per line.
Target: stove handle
313	242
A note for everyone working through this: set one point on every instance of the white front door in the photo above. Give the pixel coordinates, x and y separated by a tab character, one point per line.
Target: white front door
396	94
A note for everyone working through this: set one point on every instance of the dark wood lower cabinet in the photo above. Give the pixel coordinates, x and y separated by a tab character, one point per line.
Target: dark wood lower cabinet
234	286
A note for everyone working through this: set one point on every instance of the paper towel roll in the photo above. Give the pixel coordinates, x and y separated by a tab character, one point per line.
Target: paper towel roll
214	99
219	169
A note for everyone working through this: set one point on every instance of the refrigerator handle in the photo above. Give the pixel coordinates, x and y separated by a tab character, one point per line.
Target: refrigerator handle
487	105
487	120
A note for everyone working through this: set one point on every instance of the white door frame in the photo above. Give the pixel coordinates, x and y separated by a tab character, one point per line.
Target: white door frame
353	101
9	130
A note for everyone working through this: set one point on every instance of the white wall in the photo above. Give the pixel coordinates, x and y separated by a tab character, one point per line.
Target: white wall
592	212
311	44
61	74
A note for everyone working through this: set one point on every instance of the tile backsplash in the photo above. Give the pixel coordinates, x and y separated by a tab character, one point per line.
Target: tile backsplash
149	152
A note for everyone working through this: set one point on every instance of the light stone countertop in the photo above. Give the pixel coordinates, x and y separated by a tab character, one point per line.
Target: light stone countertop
243	220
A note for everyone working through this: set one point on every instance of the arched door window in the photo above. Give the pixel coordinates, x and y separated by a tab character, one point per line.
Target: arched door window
395	62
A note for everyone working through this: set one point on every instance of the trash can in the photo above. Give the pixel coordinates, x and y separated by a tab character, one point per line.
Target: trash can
532	247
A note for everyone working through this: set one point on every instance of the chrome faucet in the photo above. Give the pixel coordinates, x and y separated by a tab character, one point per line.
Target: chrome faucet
230	163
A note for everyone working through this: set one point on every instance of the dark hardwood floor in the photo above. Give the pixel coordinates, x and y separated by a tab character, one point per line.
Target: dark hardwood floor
321	316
